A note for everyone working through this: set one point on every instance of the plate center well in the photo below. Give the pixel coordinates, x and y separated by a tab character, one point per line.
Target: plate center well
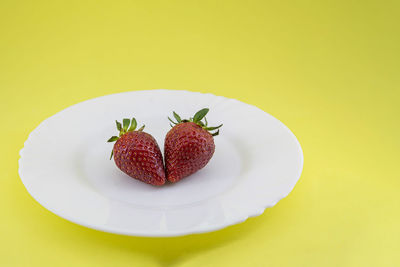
217	177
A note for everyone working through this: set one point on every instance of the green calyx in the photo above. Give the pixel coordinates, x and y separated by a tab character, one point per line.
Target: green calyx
126	126
198	119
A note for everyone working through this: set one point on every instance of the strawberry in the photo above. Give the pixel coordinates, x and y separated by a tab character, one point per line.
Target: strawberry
137	154
189	145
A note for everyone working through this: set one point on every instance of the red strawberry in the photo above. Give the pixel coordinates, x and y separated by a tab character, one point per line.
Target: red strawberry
188	146
137	154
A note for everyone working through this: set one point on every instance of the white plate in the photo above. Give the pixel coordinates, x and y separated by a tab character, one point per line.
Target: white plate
65	166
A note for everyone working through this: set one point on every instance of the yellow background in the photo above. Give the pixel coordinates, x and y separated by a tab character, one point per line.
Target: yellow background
328	69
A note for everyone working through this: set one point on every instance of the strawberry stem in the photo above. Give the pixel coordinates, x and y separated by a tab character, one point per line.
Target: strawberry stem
178	119
197	118
200	115
123	129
